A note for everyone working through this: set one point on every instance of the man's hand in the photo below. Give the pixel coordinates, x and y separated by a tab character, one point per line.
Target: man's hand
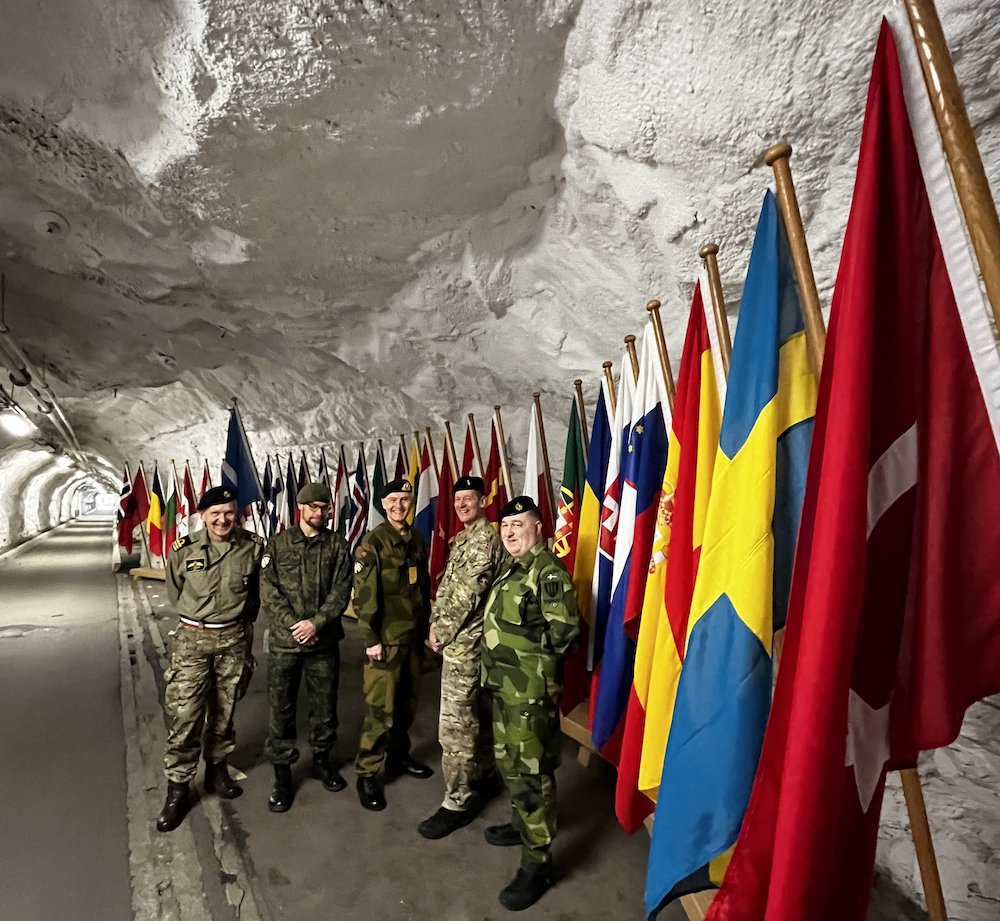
432	641
376	653
304	632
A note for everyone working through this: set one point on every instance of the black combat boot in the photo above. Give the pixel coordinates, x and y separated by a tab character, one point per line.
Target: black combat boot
502	835
282	793
327	775
217	780
175	807
445	821
407	765
370	792
526	888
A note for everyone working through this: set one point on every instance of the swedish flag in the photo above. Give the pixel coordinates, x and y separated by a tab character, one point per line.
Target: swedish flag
741	592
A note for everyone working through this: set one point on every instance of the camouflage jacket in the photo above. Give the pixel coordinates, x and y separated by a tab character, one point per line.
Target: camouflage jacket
305	578
215	582
530	626
475	561
391	586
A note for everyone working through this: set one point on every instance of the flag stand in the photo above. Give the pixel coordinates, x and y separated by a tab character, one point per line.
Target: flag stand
708	255
504	459
537	397
581	410
959	143
777	158
610	378
430	444
475	443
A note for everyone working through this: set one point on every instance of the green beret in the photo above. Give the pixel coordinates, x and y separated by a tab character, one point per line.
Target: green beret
313	492
400	485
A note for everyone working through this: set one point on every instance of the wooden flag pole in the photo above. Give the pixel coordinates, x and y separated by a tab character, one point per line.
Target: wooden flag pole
610	378
144	537
537	397
959	144
475	443
504	459
632	357
581	411
434	459
449	444
777	158
708	253
661	346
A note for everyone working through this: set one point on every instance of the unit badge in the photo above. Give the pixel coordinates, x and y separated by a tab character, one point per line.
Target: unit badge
194	565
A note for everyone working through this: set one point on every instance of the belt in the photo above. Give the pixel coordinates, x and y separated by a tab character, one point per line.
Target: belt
187	622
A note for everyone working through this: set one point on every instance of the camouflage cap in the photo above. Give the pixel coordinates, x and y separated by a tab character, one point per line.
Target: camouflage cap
313	492
217	495
517	506
469	482
400	485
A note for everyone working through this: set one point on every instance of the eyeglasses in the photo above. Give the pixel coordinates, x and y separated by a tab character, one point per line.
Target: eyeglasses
319	506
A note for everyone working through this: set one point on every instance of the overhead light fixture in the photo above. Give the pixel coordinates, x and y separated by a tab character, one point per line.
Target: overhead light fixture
63	461
16	423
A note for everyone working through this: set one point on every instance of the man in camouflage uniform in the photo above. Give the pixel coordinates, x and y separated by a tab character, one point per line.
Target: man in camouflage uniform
530	626
392	602
212	581
465	728
305	585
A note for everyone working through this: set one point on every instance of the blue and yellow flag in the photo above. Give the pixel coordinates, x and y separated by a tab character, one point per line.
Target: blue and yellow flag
741	590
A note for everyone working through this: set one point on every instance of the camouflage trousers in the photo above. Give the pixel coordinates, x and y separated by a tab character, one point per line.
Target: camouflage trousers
285	671
205	670
528	747
465	730
390	688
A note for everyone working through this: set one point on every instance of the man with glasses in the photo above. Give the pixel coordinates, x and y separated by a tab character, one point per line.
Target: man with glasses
305	584
392	601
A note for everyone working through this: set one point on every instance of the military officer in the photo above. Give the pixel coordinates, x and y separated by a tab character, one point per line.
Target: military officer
305	585
530	626
465	728
392	602
213	583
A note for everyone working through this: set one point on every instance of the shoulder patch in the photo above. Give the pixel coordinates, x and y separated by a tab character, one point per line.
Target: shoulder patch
359	566
265	561
257	539
552	587
180	542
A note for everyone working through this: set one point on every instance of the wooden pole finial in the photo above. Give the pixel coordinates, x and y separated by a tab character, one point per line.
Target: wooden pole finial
633	358
777	158
661	347
708	254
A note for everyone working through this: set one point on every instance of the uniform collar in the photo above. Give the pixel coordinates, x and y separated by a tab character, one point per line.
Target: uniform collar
529	557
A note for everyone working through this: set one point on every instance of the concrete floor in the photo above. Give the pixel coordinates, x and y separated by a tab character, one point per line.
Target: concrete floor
63	835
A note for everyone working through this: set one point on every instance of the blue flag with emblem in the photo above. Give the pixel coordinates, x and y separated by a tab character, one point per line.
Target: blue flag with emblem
239	472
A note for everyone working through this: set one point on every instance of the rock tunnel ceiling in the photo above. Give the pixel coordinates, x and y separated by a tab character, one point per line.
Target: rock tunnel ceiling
361	218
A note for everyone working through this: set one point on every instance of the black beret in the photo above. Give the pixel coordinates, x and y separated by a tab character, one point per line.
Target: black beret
517	506
469	482
400	485
217	495
313	492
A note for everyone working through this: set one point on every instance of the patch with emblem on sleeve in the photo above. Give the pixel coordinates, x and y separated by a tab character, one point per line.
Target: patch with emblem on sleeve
194	565
552	588
265	561
359	566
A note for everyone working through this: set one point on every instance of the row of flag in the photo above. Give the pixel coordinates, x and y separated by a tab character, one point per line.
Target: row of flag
682	532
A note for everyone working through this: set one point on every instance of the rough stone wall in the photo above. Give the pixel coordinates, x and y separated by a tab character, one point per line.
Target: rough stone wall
36	493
